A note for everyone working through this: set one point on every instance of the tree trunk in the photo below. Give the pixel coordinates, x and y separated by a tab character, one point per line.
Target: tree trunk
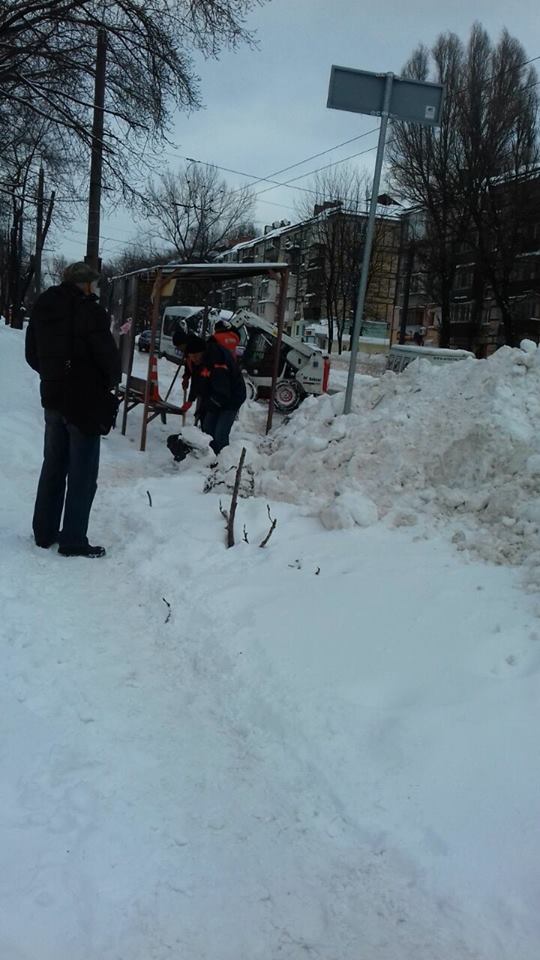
508	323
444	336
330	320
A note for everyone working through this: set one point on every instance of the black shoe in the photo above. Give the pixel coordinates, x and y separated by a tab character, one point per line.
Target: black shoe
85	550
178	447
46	543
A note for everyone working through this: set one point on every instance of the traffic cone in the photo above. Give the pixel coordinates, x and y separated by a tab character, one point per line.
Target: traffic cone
154	396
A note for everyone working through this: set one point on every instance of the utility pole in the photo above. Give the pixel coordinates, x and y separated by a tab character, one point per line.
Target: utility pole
15	260
96	165
39	232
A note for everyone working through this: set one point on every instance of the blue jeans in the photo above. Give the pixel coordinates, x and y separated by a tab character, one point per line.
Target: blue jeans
218	424
70	458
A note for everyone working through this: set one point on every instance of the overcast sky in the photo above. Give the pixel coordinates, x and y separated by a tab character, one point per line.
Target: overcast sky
266	107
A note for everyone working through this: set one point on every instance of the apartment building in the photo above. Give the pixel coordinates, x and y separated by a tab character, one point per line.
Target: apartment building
324	254
477	320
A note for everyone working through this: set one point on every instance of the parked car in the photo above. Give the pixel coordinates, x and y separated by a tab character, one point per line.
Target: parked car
145	339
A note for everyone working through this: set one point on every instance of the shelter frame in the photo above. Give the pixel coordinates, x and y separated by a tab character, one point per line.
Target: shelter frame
161	277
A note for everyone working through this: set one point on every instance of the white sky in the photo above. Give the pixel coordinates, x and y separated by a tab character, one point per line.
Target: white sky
266	108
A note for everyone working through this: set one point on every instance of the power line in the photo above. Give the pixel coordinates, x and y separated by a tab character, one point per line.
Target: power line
275	203
280	183
129	243
260	179
32	199
287	183
314	156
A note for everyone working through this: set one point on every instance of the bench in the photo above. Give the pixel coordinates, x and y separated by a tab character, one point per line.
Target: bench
133	392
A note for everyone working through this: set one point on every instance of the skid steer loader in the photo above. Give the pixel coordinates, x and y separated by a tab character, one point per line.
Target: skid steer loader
303	368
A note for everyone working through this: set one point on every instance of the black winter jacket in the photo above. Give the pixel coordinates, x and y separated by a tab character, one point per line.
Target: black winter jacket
69	343
218	382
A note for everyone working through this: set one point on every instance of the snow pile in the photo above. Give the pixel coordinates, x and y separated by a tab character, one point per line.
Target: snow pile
457	444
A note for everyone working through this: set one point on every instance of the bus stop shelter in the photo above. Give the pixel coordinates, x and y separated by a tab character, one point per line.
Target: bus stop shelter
141	292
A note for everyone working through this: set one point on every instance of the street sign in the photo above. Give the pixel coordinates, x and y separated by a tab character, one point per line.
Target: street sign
361	91
390	98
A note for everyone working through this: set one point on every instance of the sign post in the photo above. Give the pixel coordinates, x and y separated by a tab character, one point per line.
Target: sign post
389	97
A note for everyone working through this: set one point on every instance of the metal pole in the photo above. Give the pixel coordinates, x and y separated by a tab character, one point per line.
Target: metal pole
359	315
96	165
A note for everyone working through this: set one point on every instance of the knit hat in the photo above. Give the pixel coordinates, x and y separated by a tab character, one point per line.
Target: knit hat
80	272
194	344
180	337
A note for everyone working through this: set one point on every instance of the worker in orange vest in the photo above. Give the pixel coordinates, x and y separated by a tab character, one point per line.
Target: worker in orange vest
226	336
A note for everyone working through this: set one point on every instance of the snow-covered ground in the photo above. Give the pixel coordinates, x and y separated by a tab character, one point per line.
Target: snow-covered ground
325	748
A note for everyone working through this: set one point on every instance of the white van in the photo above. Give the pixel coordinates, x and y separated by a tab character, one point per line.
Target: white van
174	318
401	354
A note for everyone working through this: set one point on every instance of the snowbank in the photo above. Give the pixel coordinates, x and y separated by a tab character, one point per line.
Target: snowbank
458	445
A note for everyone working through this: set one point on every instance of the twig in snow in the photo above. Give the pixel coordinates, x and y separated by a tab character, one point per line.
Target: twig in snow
223	512
168	610
149	497
245	536
234	501
273	525
317	572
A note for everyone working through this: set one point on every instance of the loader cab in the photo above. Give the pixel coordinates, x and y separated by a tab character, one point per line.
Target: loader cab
257	357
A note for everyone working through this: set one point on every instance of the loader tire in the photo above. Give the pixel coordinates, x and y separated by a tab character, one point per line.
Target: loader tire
287	396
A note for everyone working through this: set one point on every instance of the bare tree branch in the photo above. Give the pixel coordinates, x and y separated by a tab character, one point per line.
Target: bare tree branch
195	211
273	525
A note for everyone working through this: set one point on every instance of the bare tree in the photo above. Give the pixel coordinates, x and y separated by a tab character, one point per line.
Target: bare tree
195	211
485	150
47	62
136	256
31	148
498	112
241	232
56	267
425	165
336	225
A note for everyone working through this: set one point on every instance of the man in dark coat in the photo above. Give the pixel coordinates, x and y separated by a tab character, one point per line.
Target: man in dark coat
69	343
217	384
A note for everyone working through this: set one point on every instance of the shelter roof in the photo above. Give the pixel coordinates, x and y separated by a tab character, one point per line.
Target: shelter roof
220	271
